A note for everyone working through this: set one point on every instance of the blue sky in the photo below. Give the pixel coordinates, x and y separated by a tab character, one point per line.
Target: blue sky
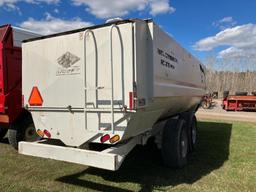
224	28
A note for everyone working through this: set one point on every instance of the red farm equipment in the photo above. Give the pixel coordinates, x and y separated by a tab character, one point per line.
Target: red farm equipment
12	115
239	103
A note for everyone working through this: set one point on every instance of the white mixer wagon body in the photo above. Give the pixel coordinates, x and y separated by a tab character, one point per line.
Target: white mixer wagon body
114	80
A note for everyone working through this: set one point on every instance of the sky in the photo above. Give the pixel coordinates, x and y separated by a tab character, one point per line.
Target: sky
225	29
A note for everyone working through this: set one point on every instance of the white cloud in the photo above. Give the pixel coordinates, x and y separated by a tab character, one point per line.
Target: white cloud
160	7
224	23
117	8
226	19
233	52
241	40
51	25
11	4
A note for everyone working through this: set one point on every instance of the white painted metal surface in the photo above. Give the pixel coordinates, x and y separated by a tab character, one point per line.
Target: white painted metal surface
110	159
113	79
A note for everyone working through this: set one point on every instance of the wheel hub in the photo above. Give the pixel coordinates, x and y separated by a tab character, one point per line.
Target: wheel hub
184	145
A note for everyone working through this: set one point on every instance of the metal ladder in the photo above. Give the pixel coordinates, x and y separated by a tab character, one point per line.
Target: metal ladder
112	110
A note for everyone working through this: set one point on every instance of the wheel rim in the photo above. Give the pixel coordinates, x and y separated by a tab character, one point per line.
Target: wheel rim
184	144
194	134
204	105
30	133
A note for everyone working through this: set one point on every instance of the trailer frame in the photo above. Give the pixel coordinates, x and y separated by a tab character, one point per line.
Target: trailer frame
109	159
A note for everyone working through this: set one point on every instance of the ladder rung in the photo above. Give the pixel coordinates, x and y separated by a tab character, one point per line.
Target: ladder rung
102	110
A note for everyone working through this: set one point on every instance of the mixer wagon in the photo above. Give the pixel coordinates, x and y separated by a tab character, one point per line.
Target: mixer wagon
12	115
112	86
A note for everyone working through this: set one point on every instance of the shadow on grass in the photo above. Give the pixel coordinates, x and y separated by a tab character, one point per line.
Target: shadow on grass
143	165
4	141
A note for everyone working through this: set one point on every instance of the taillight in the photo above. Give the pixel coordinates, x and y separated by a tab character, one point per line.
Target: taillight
131	100
35	98
114	139
40	133
104	138
47	133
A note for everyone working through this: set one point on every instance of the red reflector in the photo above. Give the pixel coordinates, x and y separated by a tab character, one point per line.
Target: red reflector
35	98
131	105
47	133
104	138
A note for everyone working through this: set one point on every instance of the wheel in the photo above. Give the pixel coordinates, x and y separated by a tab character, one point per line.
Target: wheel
175	143
191	122
3	131
205	104
22	129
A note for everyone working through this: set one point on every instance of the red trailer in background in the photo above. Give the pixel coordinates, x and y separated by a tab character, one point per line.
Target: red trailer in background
12	115
239	103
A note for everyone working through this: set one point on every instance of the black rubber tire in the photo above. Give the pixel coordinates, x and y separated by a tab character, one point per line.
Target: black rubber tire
3	132
205	105
22	129
175	143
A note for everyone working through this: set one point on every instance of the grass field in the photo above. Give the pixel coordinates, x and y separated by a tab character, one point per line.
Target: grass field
225	160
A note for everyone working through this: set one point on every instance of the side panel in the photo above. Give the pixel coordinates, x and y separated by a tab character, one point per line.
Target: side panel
144	63
10	71
3	31
176	72
167	75
10	90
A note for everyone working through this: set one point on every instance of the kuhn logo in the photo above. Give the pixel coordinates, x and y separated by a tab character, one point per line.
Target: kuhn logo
67	62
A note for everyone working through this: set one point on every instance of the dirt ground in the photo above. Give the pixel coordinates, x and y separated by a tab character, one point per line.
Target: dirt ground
217	113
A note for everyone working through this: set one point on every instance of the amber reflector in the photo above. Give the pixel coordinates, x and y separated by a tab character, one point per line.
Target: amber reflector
114	139
40	133
35	98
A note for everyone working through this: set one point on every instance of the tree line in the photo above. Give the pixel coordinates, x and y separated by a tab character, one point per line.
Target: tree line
220	81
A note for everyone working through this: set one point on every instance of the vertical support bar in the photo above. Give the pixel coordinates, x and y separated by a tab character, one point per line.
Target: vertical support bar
112	73
96	66
112	77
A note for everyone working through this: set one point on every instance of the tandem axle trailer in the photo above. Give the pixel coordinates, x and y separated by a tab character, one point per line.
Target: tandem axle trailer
115	86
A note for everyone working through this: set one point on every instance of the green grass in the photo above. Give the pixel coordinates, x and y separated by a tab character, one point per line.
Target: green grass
225	160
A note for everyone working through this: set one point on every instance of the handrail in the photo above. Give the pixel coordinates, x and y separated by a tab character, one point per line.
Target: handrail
96	65
112	75
112	110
